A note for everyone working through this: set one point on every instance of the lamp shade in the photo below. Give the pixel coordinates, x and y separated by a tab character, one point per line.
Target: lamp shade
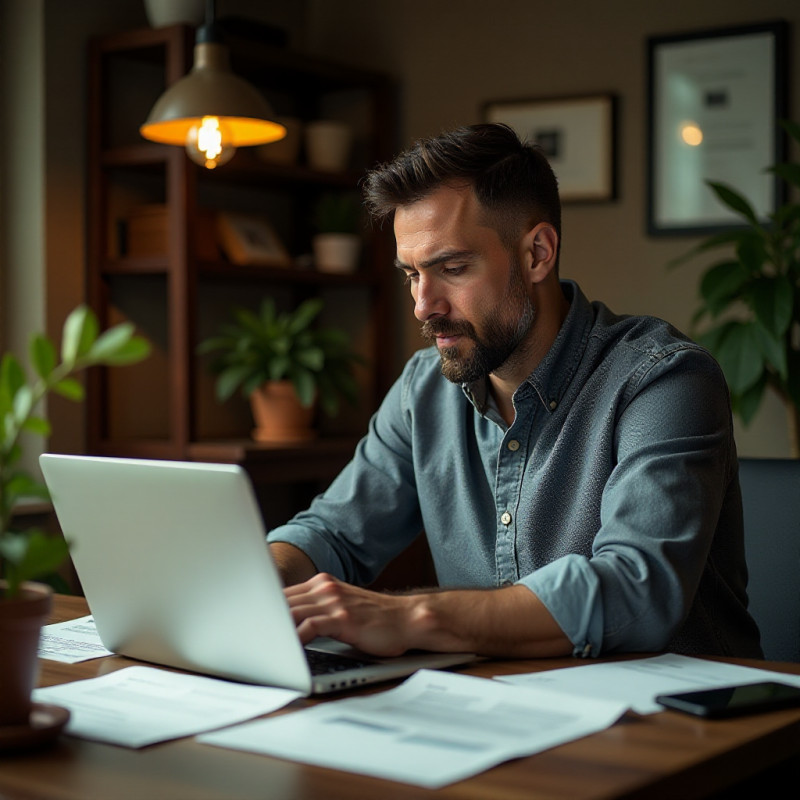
211	89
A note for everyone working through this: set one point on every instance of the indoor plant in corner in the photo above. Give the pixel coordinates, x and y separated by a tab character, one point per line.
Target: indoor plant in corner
284	366
30	556
752	300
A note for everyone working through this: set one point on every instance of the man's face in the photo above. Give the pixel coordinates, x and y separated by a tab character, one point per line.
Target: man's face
468	290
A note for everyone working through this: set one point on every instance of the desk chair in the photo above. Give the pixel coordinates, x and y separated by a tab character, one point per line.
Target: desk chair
771	500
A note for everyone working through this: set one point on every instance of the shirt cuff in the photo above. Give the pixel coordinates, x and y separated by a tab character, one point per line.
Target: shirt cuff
570	590
312	544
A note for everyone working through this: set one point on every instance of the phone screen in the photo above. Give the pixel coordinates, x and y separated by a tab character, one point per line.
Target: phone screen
731	700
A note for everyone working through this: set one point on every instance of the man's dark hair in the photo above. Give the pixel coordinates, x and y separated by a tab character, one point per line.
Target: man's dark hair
512	180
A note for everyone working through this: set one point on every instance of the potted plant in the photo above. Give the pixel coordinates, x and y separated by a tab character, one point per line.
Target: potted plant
336	245
29	556
750	301
283	365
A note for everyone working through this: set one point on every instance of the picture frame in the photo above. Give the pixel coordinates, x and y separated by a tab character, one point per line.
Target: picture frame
714	99
578	136
250	240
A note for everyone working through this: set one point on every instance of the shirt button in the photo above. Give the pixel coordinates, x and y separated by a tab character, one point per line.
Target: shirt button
513	445
553	405
505	518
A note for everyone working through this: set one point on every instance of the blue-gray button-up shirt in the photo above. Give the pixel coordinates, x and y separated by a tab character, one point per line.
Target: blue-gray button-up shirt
613	496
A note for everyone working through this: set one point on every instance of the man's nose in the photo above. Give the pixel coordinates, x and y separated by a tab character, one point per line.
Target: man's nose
429	299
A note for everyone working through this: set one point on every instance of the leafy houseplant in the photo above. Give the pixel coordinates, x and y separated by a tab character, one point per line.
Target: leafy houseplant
267	347
750	301
32	555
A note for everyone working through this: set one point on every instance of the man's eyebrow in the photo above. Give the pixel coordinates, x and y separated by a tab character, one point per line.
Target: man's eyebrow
441	258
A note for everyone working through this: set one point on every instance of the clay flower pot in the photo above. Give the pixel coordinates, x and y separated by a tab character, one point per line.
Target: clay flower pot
21	620
279	415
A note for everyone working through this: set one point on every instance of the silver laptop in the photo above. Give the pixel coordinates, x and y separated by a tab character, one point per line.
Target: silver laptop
174	566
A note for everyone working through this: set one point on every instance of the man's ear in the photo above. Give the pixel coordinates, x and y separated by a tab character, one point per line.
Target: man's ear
540	251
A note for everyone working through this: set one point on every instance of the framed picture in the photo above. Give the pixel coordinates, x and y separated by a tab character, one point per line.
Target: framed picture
575	133
249	239
714	101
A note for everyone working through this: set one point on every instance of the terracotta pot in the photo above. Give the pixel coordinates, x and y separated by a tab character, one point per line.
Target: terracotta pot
279	415
21	620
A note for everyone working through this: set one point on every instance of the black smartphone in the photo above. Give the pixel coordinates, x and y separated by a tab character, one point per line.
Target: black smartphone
729	701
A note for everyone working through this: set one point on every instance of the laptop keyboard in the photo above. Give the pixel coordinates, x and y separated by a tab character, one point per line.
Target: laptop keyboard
322	663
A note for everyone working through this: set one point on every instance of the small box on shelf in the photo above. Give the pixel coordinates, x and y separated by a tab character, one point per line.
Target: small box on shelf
145	233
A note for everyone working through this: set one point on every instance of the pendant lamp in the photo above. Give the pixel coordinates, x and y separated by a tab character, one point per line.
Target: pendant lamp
211	111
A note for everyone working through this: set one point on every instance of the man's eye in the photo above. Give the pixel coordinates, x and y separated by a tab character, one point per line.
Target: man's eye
454	270
410	277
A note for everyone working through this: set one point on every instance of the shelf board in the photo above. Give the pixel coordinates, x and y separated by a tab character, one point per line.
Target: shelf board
224	270
316	460
137	155
294	275
246	168
142	265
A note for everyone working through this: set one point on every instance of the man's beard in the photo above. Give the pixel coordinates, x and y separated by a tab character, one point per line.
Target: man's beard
504	330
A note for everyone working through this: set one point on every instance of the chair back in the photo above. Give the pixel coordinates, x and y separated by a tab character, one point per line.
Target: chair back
771	501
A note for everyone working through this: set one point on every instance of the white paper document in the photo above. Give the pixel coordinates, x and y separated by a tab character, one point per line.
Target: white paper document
433	729
137	706
72	641
637	682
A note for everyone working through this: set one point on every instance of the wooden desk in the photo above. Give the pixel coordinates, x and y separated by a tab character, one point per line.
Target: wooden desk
666	755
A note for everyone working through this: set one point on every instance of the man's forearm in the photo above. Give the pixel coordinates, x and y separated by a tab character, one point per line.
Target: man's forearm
510	622
294	566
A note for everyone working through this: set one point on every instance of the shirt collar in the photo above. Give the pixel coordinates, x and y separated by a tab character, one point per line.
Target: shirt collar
554	373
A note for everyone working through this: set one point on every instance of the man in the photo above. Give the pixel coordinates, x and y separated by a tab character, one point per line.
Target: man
574	471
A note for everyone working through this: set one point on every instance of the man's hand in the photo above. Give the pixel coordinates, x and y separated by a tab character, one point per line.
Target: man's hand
507	622
373	622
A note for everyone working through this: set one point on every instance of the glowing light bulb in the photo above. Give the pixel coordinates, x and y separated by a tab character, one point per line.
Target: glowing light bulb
207	143
691	134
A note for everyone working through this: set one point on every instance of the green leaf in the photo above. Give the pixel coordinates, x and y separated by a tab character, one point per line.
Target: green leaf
311	357
279	367
717	240
37	425
772	349
734	201
12	379
23	485
31	555
721	282
131	352
110	342
787	172
304	385
304	315
740	356
43	356
229	381
69	388
746	405
772	300
751	252
23	403
80	332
